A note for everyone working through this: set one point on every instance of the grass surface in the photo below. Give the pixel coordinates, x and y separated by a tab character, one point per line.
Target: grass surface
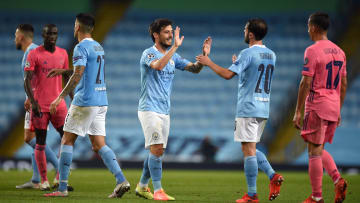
94	185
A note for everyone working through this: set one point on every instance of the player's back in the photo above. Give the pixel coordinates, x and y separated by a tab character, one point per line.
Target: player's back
91	90
255	82
325	62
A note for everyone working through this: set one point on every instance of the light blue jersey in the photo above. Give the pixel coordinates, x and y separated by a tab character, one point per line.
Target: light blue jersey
91	90
156	85
255	67
27	51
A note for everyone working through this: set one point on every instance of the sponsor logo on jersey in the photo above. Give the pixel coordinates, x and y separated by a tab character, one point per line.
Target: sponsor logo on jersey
172	62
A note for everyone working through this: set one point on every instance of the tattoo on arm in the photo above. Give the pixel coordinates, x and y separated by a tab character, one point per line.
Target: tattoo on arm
68	73
73	81
194	67
27	85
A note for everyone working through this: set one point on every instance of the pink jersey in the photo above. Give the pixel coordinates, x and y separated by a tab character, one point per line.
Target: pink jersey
325	62
41	62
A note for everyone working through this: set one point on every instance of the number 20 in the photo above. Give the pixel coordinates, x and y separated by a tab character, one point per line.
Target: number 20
268	76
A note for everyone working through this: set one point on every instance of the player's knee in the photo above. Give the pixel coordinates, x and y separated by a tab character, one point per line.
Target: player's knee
96	148
28	135
157	150
68	139
40	136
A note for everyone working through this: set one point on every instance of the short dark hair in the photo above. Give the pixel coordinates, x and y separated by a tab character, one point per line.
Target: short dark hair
157	25
27	30
258	27
320	20
86	21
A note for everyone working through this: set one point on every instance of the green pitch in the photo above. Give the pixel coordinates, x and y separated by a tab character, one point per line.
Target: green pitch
186	186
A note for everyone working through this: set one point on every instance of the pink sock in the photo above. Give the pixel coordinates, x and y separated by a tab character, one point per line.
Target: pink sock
316	174
330	166
40	158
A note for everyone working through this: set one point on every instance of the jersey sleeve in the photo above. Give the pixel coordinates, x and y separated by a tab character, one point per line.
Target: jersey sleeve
148	57
180	62
30	61
242	62
79	56
309	63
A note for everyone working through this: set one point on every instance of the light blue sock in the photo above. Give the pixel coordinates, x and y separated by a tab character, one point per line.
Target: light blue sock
264	164
51	157
155	167
145	176
36	175
66	153
111	163
251	171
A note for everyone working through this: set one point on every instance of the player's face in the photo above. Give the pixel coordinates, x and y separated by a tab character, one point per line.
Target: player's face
246	34
18	37
50	35
166	36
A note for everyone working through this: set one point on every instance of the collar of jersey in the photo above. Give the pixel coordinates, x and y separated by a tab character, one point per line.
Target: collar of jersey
258	45
88	38
158	50
29	46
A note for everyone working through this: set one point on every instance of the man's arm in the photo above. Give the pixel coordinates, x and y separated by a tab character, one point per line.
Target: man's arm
342	95
28	89
69	87
161	63
66	73
304	89
222	72
197	67
343	90
59	71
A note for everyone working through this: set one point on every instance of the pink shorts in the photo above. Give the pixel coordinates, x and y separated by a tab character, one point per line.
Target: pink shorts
42	122
317	130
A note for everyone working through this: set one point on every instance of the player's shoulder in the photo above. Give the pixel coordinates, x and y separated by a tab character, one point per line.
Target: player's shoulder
149	52
61	50
33	46
36	50
312	49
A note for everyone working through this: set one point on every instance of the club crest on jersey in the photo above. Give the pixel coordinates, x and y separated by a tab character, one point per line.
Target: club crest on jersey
306	61
27	64
172	62
155	136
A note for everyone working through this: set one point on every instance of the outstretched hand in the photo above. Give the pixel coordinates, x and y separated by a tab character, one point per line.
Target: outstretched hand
177	40
55	72
204	60
207	46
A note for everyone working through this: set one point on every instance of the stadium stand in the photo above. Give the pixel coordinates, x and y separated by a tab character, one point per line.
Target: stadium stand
202	104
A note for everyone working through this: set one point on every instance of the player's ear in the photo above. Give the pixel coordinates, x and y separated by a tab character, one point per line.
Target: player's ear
156	35
251	36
